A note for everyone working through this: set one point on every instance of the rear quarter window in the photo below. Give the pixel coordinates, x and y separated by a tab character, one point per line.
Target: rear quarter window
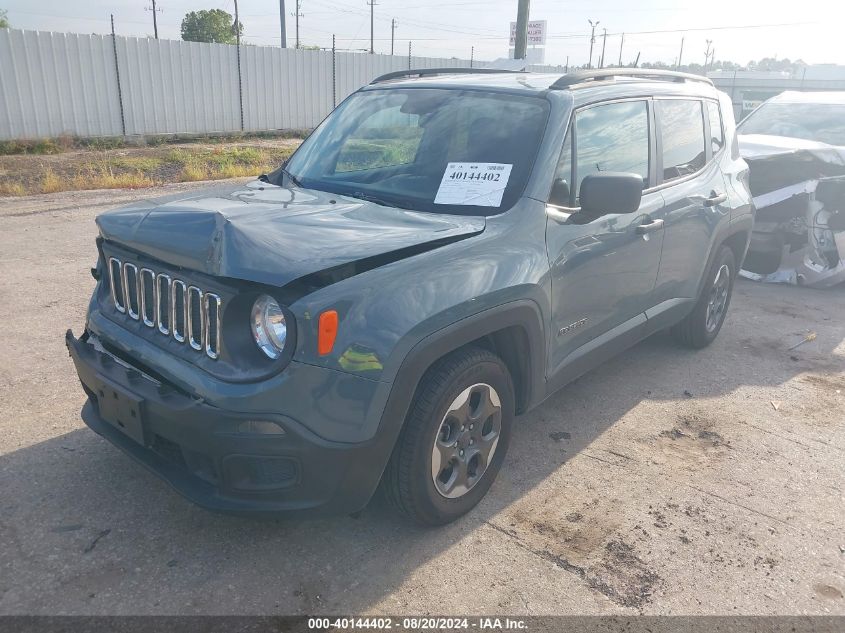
717	136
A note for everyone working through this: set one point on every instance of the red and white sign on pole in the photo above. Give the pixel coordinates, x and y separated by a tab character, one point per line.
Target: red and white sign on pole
536	33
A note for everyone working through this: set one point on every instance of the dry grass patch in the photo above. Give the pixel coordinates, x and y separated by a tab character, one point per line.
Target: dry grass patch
12	189
51	183
192	173
128	167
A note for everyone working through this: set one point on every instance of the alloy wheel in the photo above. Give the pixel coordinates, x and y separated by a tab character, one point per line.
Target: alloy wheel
718	300
466	440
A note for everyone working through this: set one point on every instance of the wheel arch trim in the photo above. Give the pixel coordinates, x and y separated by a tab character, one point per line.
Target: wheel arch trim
524	314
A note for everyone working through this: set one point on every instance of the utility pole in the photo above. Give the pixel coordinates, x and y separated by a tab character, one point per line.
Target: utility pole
372	4
155	21
592	41
237	25
282	25
681	54
712	58
707	54
520	41
621	44
637	60
334	72
471	55
603	44
117	76
392	34
298	14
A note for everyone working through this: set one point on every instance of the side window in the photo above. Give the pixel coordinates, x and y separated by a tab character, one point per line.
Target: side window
682	134
612	137
717	138
387	138
561	194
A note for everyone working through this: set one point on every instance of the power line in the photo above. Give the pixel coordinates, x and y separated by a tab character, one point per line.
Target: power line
717	28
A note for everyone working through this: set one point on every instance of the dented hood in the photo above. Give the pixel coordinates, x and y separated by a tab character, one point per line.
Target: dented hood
275	235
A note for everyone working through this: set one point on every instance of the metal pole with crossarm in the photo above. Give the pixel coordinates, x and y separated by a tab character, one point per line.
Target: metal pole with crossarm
592	41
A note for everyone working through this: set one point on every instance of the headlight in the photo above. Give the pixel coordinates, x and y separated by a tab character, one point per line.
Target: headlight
269	328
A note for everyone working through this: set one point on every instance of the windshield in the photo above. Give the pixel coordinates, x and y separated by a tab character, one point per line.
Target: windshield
445	151
824	123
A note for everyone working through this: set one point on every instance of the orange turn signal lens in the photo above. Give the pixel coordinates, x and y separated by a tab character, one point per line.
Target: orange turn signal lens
327	332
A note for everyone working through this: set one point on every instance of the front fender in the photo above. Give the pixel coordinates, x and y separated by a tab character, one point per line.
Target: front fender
524	313
384	312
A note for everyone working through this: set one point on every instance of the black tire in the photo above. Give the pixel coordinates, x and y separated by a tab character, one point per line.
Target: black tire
408	482
696	330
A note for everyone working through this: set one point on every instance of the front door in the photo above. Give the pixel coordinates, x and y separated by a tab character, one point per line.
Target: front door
603	269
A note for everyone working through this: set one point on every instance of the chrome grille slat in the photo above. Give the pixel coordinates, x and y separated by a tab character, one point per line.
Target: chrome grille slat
163	308
116	283
193	341
130	281
211	333
176	309
146	310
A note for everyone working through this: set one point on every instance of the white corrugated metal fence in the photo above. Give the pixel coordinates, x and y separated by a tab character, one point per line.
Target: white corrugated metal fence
53	84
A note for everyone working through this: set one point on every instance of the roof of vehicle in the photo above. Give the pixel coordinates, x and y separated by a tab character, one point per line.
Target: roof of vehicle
585	86
793	96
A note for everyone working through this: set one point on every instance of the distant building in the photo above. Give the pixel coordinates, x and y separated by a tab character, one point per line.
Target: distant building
750	88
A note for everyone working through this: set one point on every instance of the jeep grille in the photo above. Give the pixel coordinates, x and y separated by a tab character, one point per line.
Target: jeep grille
173	307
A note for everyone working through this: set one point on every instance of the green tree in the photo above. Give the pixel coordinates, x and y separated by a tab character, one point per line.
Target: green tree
4	19
215	26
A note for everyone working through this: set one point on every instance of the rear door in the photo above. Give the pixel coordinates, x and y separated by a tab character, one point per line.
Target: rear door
694	193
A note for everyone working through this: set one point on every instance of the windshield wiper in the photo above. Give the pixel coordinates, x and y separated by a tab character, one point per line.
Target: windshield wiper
291	177
370	198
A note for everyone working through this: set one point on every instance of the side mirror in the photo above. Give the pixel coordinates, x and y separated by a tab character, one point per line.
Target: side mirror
610	192
559	196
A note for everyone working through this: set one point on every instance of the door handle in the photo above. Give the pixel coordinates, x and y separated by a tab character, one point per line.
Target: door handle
715	199
649	227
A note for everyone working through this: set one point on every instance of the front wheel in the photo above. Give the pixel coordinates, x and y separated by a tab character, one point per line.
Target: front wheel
454	439
702	325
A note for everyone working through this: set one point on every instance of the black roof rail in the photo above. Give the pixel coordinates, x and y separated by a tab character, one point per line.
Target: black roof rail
425	72
584	76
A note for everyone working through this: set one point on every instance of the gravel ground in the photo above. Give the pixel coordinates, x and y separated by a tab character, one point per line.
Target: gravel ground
665	482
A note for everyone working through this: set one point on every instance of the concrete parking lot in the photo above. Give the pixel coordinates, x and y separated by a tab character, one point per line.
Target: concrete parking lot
665	482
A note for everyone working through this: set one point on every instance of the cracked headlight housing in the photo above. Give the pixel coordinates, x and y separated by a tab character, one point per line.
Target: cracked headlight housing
269	327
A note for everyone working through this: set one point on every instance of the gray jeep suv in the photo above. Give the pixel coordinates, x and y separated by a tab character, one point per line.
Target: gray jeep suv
447	249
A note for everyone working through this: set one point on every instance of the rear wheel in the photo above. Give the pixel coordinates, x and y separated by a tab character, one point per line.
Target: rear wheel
702	325
454	439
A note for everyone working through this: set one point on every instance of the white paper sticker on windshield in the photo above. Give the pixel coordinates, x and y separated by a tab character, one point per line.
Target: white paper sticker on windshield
478	184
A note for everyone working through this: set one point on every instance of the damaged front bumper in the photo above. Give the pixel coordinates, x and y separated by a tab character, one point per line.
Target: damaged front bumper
223	460
799	235
799	194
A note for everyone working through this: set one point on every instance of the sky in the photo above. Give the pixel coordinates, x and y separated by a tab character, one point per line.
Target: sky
740	30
